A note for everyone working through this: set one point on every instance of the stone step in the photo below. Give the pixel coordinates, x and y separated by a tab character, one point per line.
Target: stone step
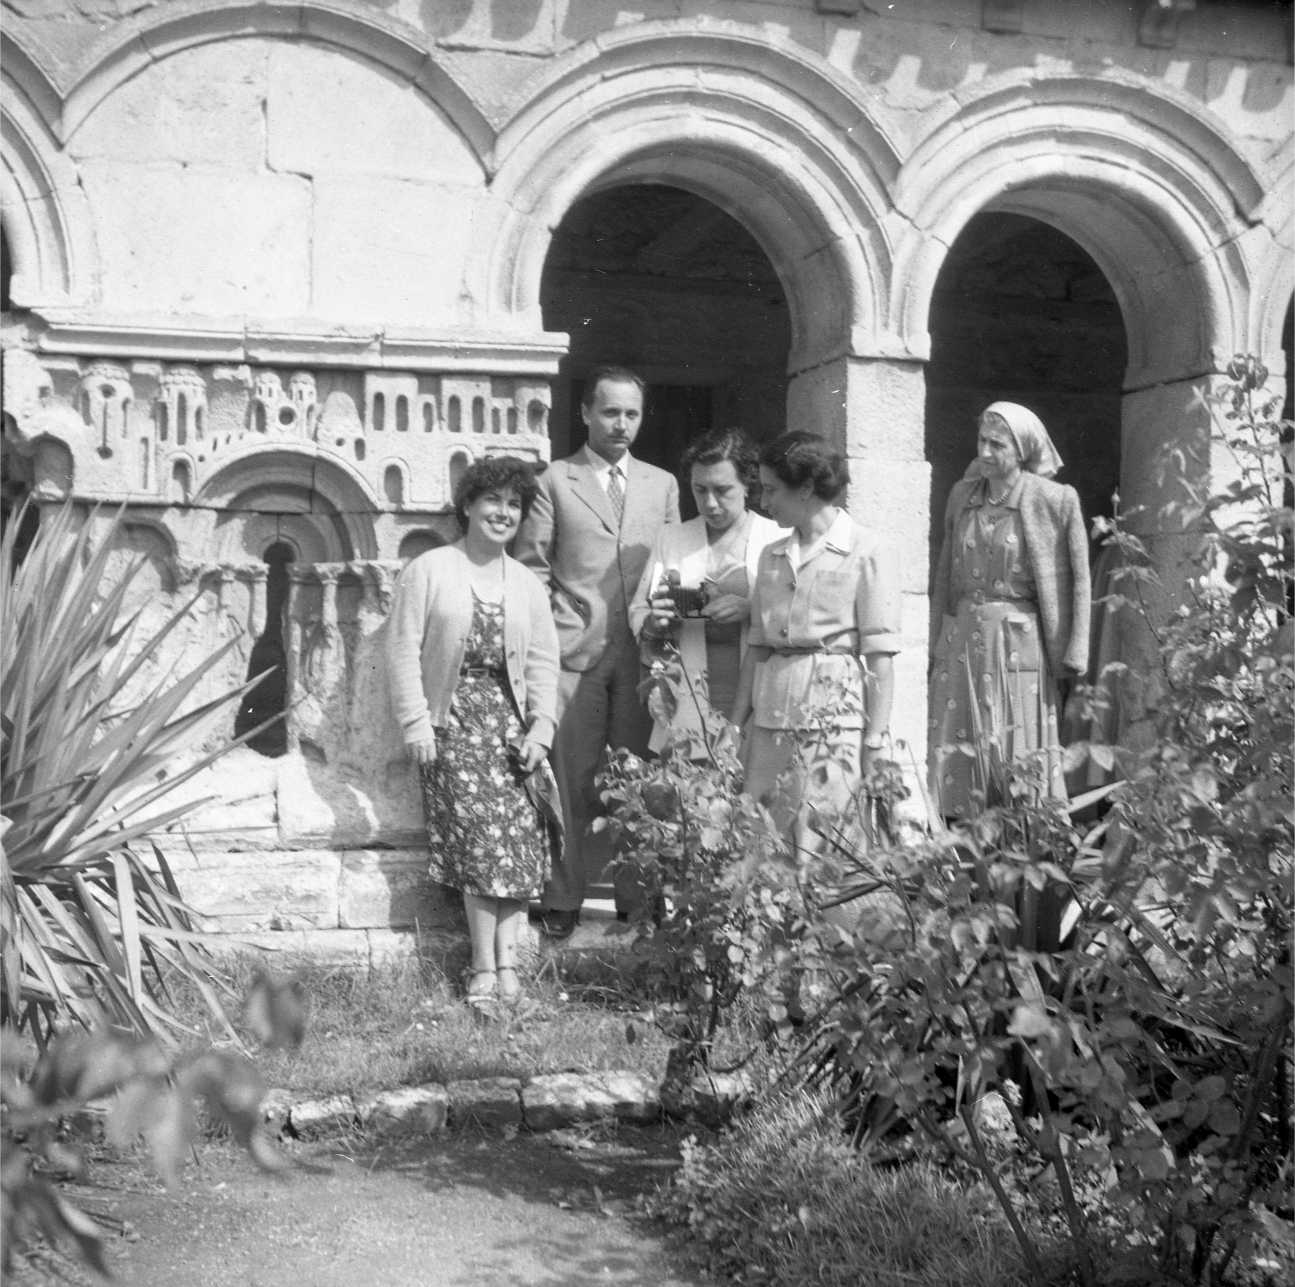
544	1102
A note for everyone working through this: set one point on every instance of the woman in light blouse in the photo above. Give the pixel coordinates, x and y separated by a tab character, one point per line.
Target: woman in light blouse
817	682
715	554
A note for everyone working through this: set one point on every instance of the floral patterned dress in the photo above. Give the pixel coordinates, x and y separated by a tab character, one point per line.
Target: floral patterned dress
486	836
990	677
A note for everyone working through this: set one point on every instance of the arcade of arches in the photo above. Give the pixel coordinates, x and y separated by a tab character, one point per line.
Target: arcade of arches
278	329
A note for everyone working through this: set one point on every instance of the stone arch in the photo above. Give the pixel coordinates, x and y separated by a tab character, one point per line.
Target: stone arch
1149	184
330	504
147	37
417	542
1274	274
46	224
750	126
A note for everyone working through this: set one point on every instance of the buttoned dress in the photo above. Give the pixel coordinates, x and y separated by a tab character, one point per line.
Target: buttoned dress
821	613
990	681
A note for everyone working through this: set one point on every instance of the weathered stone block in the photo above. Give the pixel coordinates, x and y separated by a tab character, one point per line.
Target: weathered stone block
627	1096
393	270
491	1101
201	105
388	888
266	891
314	1118
234	806
178	237
400	133
347	948
406	1110
346	807
558	1099
389	947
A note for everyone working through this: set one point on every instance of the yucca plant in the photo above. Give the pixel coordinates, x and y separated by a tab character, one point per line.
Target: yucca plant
91	749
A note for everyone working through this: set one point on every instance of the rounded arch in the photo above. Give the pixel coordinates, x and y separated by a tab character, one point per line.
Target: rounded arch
750	126
1274	272
46	223
323	490
153	34
1146	182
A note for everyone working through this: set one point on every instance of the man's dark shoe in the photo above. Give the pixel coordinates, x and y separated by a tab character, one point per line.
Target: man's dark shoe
558	923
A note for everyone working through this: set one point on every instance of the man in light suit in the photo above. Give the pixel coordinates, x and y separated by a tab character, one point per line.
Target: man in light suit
587	537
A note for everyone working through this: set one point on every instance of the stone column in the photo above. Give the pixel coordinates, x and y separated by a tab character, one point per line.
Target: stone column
258	575
874	409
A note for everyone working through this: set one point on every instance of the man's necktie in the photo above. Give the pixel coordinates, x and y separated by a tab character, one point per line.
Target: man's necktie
616	493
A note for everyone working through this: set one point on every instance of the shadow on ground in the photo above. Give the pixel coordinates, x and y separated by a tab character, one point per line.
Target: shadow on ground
471	1209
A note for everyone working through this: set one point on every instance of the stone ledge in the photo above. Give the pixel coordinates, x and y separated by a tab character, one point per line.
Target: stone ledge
407	1110
552	1100
541	1103
314	1118
390	889
490	1101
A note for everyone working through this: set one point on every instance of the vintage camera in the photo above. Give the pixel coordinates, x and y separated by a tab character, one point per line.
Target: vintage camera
689	600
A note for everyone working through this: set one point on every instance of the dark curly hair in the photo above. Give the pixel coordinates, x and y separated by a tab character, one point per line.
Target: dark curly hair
799	457
492	474
717	445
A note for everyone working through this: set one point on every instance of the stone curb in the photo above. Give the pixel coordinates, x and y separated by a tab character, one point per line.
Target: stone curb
544	1102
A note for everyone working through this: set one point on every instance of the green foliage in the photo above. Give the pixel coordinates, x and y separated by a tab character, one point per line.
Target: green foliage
88	758
782	1200
721	902
153	1093
1126	988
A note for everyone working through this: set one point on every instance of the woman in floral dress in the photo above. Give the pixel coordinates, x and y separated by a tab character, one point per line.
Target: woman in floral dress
473	659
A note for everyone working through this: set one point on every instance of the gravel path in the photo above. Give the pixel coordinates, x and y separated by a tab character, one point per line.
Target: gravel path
468	1209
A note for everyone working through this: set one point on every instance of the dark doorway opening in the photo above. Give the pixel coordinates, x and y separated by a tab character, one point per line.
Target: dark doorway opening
1022	313
664	282
269	698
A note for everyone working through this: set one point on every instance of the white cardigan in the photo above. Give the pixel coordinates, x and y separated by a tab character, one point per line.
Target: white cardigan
684	547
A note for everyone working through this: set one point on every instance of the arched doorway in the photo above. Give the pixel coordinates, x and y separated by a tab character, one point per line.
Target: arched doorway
663	281
1021	312
267	701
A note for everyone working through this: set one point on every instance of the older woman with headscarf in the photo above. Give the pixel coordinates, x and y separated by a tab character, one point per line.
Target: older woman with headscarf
1010	612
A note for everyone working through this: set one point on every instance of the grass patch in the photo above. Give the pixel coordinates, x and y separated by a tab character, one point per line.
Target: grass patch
782	1200
406	1024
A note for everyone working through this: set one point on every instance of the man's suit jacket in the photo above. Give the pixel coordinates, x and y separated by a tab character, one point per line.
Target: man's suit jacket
570	541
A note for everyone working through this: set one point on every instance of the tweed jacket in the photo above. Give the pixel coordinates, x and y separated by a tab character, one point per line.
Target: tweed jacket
427	632
1056	546
591	570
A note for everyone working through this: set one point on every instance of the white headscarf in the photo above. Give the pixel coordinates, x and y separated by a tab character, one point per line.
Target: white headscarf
1037	452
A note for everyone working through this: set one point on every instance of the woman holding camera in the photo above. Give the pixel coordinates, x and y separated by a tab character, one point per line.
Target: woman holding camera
695	591
817	683
473	659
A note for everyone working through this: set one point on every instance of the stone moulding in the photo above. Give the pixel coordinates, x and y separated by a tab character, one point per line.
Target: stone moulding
91	333
181	433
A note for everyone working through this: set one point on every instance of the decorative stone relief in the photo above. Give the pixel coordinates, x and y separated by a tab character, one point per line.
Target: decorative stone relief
42	425
180	411
151	432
